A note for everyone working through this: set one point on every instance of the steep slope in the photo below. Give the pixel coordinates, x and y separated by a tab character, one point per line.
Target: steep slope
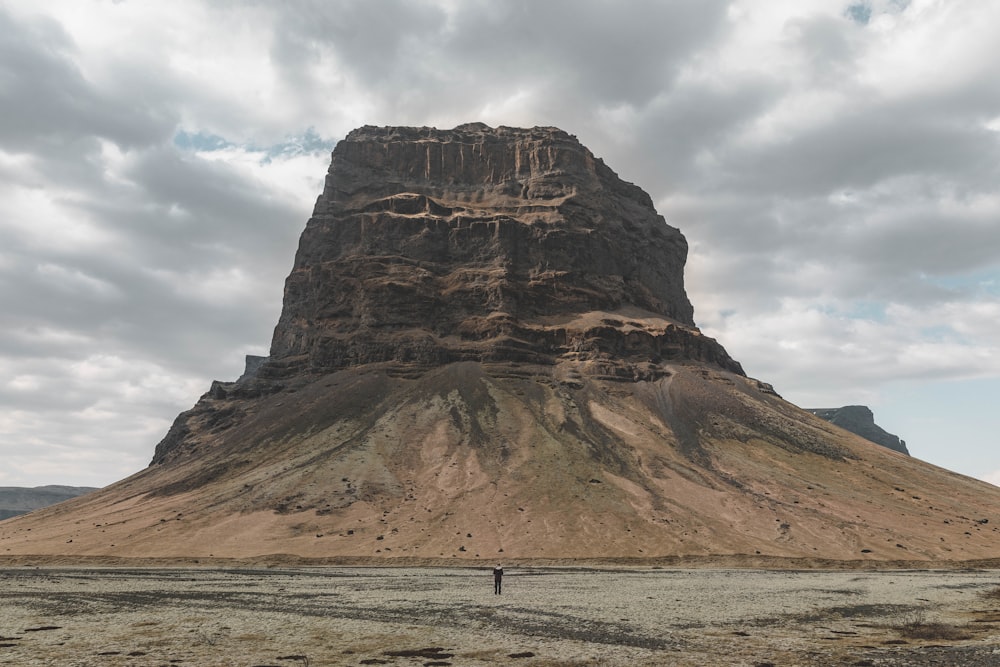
486	348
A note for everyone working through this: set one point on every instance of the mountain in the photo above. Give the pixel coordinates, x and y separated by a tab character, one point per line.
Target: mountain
17	500
859	419
486	348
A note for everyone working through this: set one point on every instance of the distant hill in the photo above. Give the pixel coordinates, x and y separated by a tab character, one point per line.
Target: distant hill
858	419
16	500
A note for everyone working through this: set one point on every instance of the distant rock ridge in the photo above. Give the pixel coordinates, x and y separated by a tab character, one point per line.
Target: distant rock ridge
17	500
860	420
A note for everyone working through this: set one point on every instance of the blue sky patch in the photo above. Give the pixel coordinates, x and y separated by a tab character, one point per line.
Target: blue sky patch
307	143
980	283
871	311
200	141
859	12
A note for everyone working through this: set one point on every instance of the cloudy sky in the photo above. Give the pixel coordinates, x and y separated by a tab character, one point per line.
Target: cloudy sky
834	165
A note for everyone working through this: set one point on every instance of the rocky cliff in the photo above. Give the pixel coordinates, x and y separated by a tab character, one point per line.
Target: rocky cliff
431	246
860	420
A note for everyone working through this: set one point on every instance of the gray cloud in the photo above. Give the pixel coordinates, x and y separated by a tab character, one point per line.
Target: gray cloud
612	56
48	103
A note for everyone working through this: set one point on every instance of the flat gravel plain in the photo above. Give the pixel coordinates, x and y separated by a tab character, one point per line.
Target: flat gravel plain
546	616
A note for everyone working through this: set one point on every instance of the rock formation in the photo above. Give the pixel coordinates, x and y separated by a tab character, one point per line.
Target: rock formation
486	348
859	419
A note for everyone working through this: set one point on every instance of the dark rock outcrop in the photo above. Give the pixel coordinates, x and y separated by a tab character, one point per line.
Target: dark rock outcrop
858	419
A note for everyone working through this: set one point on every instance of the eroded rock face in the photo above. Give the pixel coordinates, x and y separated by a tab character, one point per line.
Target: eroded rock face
494	245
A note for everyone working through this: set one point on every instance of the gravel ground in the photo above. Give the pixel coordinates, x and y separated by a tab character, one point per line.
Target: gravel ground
450	616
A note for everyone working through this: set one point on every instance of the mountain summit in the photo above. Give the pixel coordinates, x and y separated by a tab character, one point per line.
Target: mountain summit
486	348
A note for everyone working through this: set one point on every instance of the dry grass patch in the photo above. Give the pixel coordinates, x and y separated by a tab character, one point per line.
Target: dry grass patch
913	624
934	631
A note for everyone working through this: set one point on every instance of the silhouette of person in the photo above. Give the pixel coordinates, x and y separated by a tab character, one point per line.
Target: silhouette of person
497	579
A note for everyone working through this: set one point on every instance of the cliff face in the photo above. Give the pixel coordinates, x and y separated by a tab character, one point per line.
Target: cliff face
477	244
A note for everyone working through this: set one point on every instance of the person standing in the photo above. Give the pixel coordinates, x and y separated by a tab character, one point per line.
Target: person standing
497	579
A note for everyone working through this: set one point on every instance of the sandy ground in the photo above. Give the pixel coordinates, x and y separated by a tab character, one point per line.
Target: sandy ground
450	616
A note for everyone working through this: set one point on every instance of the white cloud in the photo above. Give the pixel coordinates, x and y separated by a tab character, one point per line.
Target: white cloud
992	477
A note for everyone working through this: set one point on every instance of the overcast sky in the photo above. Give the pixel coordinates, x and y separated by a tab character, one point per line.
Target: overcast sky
834	165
